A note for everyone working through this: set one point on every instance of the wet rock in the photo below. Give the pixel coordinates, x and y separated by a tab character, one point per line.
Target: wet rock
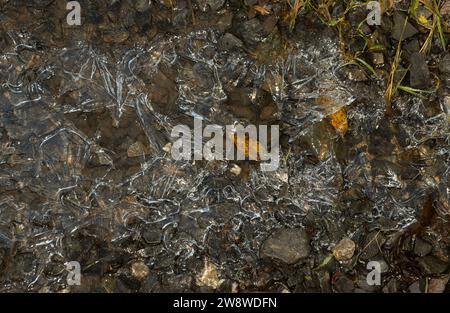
386	24
152	236
422	247
399	24
343	284
211	4
225	22
287	245
419	72
115	36
344	250
137	149
142	5
229	41
377	58
139	270
391	287
252	32
438	285
415	287
412	47
357	75
444	65
432	265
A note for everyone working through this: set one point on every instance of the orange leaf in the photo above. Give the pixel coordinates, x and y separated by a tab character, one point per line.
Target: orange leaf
339	121
251	147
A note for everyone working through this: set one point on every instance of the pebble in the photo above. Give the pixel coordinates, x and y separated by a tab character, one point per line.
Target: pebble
139	270
252	31
236	170
432	265
438	285
444	65
344	250
230	41
287	245
399	22
419	73
422	247
137	149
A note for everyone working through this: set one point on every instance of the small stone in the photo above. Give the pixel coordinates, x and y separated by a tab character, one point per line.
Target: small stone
287	245
444	65
137	149
250	2
419	73
415	287
342	283
252	32
209	276
422	247
378	58
225	22
412	46
432	265
229	41
344	250
399	23
236	170
168	147
142	5
357	75
139	270
391	286
212	4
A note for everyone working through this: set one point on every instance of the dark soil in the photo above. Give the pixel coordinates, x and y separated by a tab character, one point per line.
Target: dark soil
86	114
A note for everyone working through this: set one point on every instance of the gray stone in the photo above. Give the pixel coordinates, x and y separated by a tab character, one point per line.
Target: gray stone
432	265
419	72
399	23
287	245
142	5
422	247
342	283
252	31
212	4
229	41
444	65
415	287
391	286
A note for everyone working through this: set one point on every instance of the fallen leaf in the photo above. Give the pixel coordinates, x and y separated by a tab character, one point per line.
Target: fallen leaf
261	9
339	121
251	147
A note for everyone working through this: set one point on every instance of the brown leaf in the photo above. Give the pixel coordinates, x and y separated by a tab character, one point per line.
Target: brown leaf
261	9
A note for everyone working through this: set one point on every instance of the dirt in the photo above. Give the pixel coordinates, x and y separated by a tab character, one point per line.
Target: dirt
86	114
